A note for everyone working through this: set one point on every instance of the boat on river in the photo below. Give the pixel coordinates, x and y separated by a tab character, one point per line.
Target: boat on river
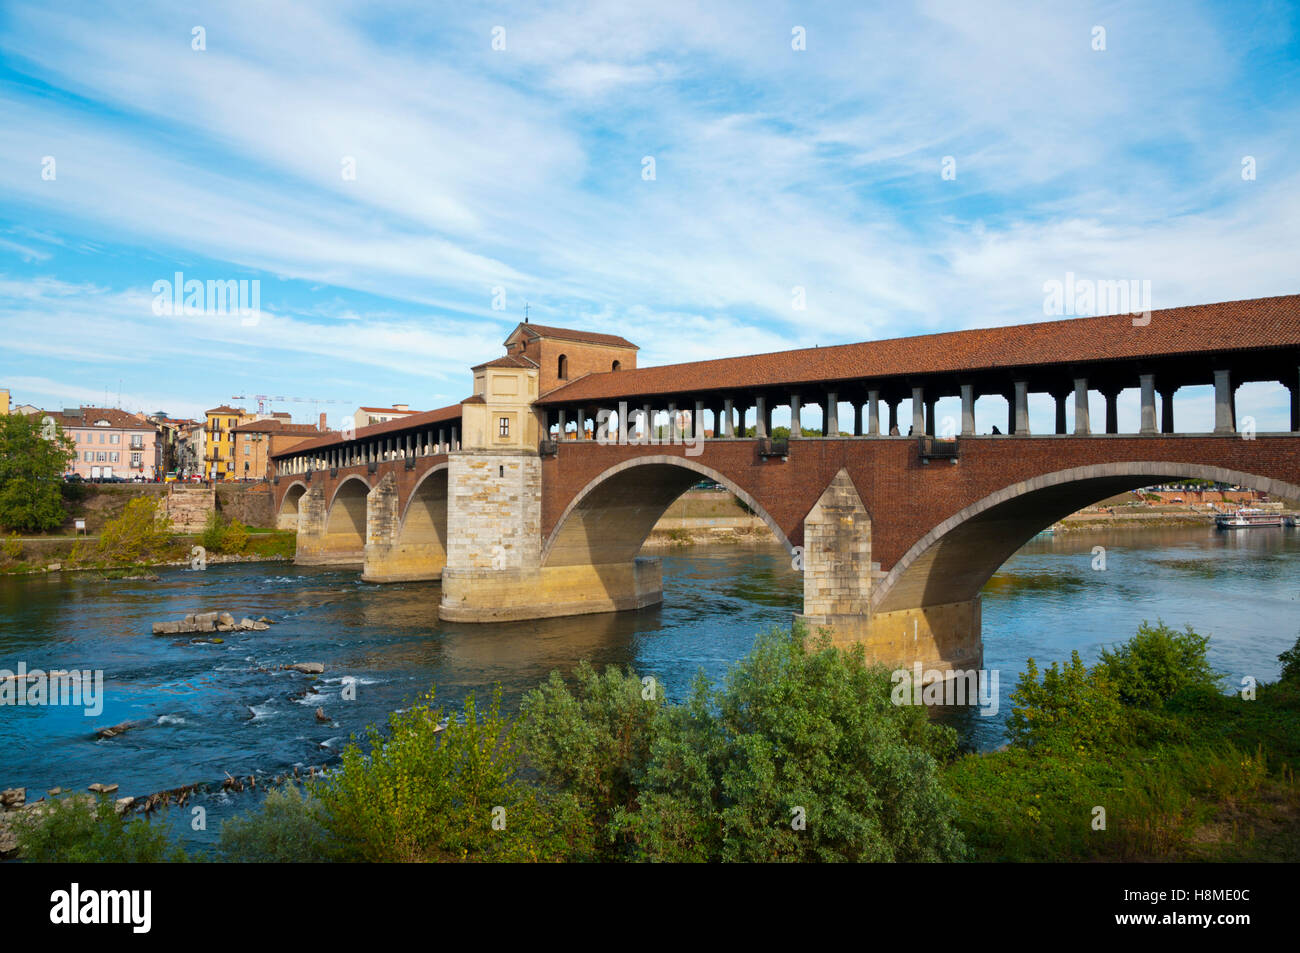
1247	518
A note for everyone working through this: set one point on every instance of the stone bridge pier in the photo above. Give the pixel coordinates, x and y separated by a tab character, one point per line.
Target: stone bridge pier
496	570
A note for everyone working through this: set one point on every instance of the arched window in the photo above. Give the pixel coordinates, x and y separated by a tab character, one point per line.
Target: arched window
564	367
616	365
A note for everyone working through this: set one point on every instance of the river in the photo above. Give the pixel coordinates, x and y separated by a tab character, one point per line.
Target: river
211	709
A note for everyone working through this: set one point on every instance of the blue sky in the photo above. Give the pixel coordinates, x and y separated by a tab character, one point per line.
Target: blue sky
521	169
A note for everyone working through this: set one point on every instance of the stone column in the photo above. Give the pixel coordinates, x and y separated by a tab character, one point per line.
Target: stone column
1022	409
697	420
930	422
893	414
1147	383
1294	388
1060	396
831	421
967	410
761	428
873	413
918	411
1081	426
1167	410
674	431
622	423
1112	411
796	428
728	419
1225	417
857	419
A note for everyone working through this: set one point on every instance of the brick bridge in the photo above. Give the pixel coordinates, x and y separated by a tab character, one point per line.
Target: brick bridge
533	497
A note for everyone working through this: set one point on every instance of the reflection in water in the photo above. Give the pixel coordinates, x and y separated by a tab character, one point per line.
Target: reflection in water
211	709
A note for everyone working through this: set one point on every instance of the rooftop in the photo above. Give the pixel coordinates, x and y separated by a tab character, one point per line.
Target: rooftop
535	331
400	425
1211	328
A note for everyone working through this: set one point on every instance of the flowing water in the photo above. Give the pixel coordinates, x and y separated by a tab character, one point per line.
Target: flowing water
205	710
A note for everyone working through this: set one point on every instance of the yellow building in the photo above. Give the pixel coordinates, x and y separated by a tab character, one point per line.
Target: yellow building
219	442
4	402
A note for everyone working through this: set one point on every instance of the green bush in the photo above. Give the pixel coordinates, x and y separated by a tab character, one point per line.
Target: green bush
800	756
1071	709
76	830
593	743
141	534
1290	660
287	828
235	538
213	535
12	551
424	795
1156	664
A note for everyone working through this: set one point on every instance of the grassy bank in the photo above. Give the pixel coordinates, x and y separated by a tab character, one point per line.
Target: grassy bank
140	537
800	755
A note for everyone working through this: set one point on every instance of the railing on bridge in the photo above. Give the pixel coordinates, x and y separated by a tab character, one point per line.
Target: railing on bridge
939	449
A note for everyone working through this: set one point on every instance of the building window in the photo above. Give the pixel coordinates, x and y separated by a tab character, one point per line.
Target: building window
135	460
616	365
115	438
101	457
503	428
563	369
112	457
90	456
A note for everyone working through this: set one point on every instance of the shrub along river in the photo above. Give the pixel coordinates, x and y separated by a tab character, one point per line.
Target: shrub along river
207	710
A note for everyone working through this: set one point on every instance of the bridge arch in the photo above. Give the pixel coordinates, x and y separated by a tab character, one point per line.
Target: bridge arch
609	519
424	519
345	520
287	516
953	561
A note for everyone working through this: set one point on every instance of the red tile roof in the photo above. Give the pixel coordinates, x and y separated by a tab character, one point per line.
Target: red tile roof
1211	328
568	334
117	419
510	360
400	425
274	425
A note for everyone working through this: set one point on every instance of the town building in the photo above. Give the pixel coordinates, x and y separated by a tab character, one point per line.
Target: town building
365	416
219	442
256	441
109	443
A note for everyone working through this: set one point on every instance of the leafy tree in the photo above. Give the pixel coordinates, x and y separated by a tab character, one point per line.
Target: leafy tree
593	743
33	458
1070	710
424	794
141	533
1157	663
800	756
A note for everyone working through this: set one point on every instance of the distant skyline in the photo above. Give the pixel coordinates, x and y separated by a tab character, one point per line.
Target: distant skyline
922	167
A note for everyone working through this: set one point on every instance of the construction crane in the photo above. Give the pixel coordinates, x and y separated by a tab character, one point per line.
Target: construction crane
264	399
